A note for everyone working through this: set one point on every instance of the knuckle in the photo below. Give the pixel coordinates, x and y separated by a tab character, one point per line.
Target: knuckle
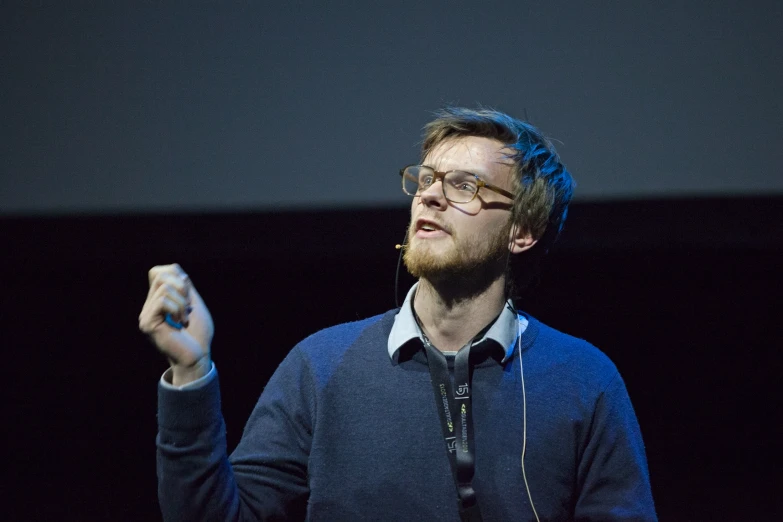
144	324
161	293
173	282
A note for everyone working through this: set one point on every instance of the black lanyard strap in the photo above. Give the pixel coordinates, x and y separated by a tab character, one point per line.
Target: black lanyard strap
454	407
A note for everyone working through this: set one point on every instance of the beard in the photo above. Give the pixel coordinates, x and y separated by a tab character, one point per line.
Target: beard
475	259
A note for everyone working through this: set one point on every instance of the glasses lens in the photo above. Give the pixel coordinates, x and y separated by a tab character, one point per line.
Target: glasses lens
415	179
460	187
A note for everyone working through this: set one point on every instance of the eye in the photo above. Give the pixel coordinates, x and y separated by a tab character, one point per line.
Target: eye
465	186
425	180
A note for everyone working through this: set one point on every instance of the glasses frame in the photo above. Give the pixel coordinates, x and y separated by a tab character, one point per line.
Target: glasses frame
437	175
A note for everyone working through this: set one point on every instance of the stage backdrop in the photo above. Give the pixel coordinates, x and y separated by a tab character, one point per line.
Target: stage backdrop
267	105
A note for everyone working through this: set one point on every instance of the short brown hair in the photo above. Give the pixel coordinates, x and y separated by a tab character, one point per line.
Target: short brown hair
542	185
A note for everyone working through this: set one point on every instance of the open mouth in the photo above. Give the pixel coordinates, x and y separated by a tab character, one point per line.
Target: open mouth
427	227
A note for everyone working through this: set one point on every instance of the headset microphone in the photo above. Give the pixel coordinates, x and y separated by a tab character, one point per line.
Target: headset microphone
399	247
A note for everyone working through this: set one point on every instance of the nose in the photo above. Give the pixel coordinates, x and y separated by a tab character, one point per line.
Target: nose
433	196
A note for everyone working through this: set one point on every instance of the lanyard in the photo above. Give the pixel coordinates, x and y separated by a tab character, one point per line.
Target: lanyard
454	407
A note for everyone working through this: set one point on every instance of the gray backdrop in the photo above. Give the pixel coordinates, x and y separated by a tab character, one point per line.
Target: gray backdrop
260	106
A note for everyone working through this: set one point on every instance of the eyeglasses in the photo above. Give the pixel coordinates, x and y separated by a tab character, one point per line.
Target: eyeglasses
458	186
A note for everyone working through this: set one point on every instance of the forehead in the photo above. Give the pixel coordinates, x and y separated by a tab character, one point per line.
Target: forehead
484	157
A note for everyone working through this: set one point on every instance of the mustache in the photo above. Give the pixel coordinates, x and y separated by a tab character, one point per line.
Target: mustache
443	226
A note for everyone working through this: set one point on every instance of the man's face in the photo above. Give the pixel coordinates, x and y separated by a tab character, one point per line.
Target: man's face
456	239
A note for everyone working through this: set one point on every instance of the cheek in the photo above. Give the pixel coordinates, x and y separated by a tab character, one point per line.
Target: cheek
412	215
486	230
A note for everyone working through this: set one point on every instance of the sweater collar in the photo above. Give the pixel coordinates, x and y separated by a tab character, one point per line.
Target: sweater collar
501	336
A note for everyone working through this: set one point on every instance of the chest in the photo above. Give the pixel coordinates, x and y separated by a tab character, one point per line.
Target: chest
378	445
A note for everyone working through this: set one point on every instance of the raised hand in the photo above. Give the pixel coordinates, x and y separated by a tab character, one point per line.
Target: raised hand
178	322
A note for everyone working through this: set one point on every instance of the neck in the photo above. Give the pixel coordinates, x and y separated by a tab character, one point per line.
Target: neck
452	318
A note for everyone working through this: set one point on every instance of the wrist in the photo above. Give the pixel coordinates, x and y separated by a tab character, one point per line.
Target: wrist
182	375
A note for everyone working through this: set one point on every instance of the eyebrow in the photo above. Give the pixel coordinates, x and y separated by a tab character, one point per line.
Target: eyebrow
481	174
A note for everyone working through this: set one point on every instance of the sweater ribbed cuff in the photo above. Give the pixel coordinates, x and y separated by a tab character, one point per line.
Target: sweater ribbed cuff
189	409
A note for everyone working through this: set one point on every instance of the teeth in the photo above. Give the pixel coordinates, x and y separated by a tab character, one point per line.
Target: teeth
427	227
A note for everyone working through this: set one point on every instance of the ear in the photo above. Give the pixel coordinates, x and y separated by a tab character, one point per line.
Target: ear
519	240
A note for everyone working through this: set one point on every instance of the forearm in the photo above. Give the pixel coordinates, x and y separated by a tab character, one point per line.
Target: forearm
266	477
195	480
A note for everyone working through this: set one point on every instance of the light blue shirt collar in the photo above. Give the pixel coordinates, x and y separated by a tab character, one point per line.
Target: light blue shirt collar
503	332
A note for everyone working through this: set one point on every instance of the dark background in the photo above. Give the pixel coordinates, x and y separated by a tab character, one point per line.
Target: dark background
257	145
683	295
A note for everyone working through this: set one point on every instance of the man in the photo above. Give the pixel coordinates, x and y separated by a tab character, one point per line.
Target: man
454	406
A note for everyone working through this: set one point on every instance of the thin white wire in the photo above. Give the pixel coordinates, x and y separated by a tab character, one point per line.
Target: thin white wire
524	417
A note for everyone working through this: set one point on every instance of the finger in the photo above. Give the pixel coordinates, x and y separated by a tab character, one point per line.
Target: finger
153	311
179	283
153	306
174	324
174	269
182	301
174	312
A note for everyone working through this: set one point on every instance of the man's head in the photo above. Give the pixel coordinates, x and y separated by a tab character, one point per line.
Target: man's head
475	239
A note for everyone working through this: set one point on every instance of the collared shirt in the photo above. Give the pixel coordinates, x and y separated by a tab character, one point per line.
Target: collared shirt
502	334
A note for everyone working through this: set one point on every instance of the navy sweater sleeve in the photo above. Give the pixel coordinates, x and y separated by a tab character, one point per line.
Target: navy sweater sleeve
264	479
613	480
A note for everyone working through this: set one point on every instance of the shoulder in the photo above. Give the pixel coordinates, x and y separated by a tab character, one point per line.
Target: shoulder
571	357
325	350
341	336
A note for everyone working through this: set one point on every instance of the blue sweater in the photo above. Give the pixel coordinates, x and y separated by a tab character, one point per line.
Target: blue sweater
341	432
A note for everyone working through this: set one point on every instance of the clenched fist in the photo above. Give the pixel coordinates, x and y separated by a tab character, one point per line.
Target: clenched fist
177	321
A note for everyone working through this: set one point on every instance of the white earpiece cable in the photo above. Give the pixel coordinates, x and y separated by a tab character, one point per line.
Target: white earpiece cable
524	417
